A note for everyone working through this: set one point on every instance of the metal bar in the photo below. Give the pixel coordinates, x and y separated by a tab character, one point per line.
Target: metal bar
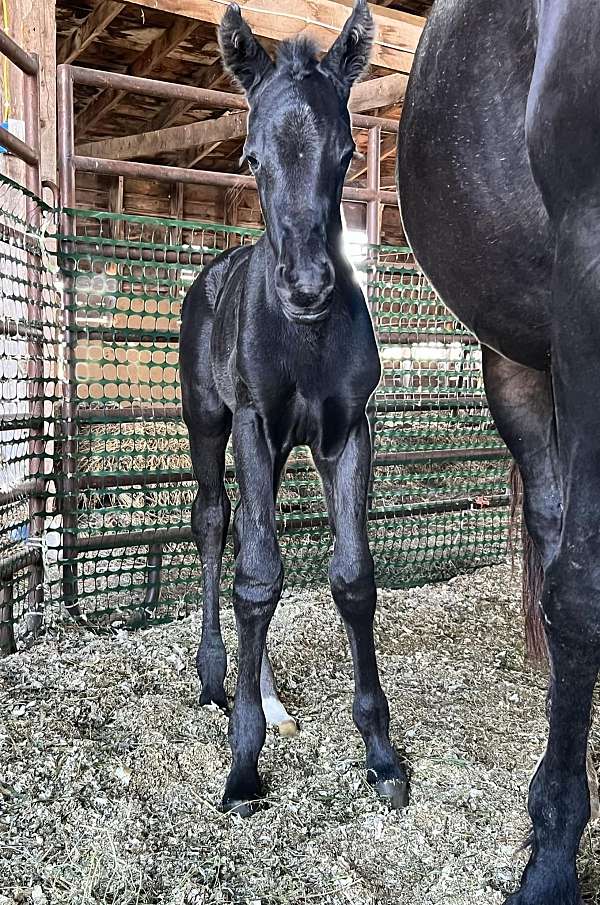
36	389
7	630
100	415
380	460
32	131
19	148
373	235
183	535
19	422
203	97
17	562
25	62
68	477
129	336
21	329
214	100
161	173
24	489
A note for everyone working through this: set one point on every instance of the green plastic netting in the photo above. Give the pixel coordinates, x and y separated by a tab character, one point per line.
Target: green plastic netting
114	540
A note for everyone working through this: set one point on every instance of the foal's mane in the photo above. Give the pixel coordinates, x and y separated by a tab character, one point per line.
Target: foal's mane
297	56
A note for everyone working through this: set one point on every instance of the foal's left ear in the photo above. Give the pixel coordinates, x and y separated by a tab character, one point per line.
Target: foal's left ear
244	56
348	57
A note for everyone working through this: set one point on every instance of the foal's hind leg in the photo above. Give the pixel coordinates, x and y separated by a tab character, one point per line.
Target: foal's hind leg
346	480
210	521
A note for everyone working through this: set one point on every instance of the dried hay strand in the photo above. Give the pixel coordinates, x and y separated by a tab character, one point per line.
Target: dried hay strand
112	774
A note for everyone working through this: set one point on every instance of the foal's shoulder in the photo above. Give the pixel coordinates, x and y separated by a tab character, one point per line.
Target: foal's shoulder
208	285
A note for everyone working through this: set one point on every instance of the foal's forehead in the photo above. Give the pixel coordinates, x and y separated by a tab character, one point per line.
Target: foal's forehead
306	105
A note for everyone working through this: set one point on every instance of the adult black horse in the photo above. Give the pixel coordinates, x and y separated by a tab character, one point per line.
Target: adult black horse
277	348
498	177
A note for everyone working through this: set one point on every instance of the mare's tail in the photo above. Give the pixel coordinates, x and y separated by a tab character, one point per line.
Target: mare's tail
533	573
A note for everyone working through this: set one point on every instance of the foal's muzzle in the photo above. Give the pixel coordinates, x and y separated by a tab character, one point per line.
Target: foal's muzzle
305	292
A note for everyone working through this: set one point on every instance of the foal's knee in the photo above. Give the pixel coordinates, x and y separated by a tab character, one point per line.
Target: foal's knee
258	578
210	520
353	587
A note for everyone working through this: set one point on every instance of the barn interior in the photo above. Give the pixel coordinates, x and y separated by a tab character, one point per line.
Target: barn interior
156	43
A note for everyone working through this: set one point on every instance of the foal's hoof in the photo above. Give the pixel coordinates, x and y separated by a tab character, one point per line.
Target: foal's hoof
288	728
241	808
393	791
214	698
243	794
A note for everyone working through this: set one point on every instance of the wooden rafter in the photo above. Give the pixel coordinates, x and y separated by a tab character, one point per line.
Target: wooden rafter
365	96
72	46
388	147
149	144
171	112
145	64
395	42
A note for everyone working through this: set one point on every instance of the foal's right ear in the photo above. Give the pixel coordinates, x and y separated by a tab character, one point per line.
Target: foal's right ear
244	57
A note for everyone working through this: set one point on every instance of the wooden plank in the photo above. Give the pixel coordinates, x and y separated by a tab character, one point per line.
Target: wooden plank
365	96
98	20
149	144
32	26
146	63
381	92
115	206
197	155
388	147
395	41
171	112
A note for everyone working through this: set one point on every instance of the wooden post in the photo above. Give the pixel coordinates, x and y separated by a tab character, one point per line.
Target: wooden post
31	24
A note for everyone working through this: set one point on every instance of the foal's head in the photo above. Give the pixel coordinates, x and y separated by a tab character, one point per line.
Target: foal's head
299	146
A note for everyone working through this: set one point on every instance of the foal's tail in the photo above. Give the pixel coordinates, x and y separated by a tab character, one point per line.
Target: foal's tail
533	573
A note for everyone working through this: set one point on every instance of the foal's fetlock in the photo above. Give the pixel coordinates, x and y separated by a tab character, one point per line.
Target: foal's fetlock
243	793
390	779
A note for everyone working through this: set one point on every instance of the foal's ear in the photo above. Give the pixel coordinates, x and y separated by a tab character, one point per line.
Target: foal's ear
348	57
244	57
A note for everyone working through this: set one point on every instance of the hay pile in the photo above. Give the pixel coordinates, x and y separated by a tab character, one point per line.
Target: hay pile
111	774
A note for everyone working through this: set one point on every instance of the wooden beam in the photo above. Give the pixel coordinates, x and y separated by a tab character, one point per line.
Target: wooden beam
365	96
93	25
115	206
389	89
388	147
149	144
146	63
396	38
171	112
197	155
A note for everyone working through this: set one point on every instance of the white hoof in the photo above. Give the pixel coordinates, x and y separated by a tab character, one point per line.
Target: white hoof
276	715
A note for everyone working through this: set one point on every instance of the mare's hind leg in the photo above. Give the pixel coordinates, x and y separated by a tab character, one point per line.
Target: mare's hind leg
346	481
521	402
211	510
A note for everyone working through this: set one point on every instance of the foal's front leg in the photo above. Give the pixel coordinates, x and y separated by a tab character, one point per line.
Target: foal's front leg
256	591
346	480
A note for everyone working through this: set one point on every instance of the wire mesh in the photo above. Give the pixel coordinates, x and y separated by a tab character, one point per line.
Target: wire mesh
118	484
30	365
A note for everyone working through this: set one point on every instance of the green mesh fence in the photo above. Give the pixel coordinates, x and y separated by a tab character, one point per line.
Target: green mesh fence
30	354
116	544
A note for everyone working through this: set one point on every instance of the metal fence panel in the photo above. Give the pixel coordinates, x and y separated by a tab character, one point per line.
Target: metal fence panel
116	507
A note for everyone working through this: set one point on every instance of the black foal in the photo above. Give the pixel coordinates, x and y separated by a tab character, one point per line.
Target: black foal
277	348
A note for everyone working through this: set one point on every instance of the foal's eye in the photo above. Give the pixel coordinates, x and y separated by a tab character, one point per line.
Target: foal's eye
252	162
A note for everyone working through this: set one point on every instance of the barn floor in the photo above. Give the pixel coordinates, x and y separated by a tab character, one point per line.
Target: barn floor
110	774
